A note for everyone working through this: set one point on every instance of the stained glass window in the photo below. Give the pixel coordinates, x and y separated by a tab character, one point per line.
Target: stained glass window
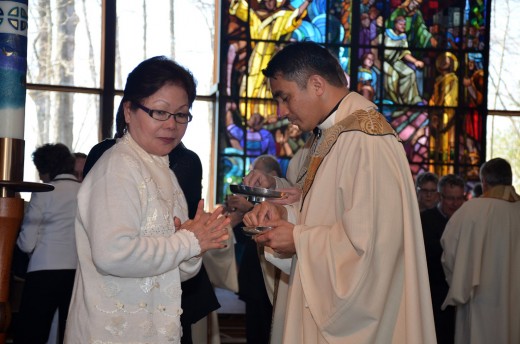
423	63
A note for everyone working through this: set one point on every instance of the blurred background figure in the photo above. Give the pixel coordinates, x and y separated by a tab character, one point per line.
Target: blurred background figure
427	194
79	165
451	190
482	260
476	191
47	234
252	287
268	164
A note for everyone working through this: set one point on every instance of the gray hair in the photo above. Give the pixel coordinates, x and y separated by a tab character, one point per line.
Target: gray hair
496	171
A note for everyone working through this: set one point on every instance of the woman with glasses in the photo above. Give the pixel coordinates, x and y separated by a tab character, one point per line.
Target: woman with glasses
135	242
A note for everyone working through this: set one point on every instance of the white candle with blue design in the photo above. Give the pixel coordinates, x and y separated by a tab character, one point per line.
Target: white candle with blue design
13	67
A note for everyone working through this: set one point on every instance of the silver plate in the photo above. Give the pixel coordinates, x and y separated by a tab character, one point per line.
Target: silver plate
256	230
254	191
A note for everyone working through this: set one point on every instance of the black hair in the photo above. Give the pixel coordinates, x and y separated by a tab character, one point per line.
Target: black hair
53	159
299	61
426	177
477	190
451	180
147	78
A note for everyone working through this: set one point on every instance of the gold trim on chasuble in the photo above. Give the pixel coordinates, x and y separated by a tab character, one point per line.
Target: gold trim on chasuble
370	122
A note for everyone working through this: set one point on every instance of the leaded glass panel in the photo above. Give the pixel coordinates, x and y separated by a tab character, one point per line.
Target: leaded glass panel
423	63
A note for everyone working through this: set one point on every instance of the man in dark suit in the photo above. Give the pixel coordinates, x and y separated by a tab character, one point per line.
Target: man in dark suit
434	220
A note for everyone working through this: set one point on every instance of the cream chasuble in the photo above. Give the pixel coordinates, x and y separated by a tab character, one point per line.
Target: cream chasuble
359	275
481	260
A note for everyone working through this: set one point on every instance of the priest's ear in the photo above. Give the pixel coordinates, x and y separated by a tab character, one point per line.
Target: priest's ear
317	84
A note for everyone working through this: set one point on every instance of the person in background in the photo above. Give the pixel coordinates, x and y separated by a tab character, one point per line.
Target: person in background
481	260
476	191
290	185
426	187
47	234
268	164
134	239
79	165
277	280
198	295
357	266
251	285
238	205
434	220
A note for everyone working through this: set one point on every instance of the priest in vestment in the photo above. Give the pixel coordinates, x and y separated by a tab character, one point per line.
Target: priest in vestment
481	260
353	242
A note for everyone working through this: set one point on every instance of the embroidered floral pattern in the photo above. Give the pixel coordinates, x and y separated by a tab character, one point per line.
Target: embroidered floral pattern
149	283
120	306
370	122
160	221
117	325
173	292
172	331
141	188
148	329
110	289
373	123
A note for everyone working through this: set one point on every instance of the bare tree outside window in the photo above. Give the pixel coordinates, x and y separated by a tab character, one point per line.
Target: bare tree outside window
66	43
503	122
43	50
504	53
64	48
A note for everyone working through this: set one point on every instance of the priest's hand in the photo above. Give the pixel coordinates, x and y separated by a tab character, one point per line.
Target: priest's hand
289	196
236	207
280	238
264	212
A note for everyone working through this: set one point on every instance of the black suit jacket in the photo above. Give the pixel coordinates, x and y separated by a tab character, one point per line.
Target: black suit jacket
433	224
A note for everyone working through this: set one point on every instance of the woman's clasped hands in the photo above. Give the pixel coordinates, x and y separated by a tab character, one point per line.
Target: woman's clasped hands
210	229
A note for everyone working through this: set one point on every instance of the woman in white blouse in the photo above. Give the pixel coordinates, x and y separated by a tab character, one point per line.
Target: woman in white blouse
47	234
134	239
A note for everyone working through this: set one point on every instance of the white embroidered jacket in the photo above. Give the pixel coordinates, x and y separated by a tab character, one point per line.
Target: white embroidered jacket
131	259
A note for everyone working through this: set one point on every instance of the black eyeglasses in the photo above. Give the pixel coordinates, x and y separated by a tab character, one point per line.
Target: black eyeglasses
454	198
427	191
161	115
